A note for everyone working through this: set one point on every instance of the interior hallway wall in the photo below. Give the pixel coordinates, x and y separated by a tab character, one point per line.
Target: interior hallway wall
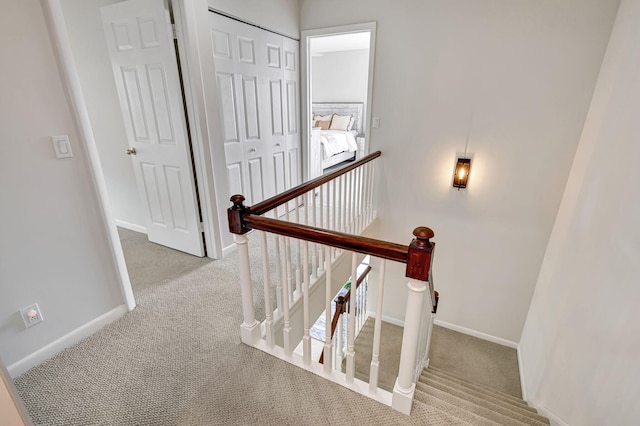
519	77
54	248
580	346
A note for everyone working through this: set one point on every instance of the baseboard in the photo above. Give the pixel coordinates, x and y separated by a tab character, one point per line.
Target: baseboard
25	364
523	387
228	250
554	419
390	320
130	226
478	334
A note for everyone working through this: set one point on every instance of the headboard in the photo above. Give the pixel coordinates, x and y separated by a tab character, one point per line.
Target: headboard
342	108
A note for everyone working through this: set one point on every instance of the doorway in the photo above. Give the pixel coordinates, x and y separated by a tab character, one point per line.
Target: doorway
89	70
337	75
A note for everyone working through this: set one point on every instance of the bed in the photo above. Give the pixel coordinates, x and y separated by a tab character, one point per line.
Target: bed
336	128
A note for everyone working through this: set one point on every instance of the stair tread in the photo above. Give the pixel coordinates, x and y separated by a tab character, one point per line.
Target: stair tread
480	393
477	386
493	413
421	397
479	403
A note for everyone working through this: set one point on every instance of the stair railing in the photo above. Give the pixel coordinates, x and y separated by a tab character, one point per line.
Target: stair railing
315	225
341	304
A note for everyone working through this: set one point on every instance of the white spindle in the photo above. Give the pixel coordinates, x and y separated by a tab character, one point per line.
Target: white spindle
377	327
352	321
352	203
306	339
286	331
314	247
371	182
250	328
328	358
298	252
334	205
340	341
268	323
279	273
321	265
341	204
358	199
404	386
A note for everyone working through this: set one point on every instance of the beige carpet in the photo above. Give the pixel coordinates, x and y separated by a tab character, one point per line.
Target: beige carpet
177	360
466	357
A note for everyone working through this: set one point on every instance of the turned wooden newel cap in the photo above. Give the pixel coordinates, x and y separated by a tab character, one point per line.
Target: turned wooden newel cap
423	233
237	200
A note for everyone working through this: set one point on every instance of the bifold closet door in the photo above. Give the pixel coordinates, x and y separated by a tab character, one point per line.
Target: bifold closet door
259	106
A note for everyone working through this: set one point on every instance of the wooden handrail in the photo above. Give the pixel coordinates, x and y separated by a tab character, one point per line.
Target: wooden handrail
342	300
278	200
364	245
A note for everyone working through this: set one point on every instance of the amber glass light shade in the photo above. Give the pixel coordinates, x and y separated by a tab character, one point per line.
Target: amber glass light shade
461	174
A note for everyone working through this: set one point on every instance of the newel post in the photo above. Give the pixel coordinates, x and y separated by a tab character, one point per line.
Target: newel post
250	328
418	265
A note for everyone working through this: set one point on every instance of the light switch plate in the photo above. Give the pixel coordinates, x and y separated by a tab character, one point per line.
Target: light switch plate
62	146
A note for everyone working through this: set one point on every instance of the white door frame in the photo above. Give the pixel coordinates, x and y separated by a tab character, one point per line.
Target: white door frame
305	61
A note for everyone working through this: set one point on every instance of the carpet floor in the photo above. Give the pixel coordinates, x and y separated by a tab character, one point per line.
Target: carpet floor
177	359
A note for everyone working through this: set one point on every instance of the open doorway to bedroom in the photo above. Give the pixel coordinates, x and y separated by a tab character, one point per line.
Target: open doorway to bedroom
338	81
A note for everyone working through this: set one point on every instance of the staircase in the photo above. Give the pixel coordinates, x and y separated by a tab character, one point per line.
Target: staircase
472	403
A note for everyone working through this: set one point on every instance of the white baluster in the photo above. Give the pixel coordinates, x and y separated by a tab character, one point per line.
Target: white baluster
268	310
372	178
279	273
341	204
250	328
358	200
404	387
340	341
375	352
306	339
351	360
334	205
328	358
286	331
298	254
321	265
314	247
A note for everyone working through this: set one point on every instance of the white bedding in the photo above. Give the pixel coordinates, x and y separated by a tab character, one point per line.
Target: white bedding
337	141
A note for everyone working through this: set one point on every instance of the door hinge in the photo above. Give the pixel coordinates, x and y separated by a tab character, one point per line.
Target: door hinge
173	32
201	226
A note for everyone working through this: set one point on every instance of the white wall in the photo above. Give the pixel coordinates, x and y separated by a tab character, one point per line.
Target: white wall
90	53
526	72
580	345
340	76
54	248
275	15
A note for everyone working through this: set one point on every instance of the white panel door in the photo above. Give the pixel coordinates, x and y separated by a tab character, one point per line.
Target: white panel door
146	75
239	60
252	82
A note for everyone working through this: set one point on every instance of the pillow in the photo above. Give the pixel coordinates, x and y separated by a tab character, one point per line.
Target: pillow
351	124
340	122
323	124
323	121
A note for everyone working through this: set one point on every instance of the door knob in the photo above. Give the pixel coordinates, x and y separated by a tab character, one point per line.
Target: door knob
132	151
252	150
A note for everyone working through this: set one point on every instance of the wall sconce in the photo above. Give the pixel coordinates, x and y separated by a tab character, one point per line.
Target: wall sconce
461	173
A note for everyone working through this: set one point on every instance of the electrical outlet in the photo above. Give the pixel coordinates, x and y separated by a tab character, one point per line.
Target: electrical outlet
31	315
